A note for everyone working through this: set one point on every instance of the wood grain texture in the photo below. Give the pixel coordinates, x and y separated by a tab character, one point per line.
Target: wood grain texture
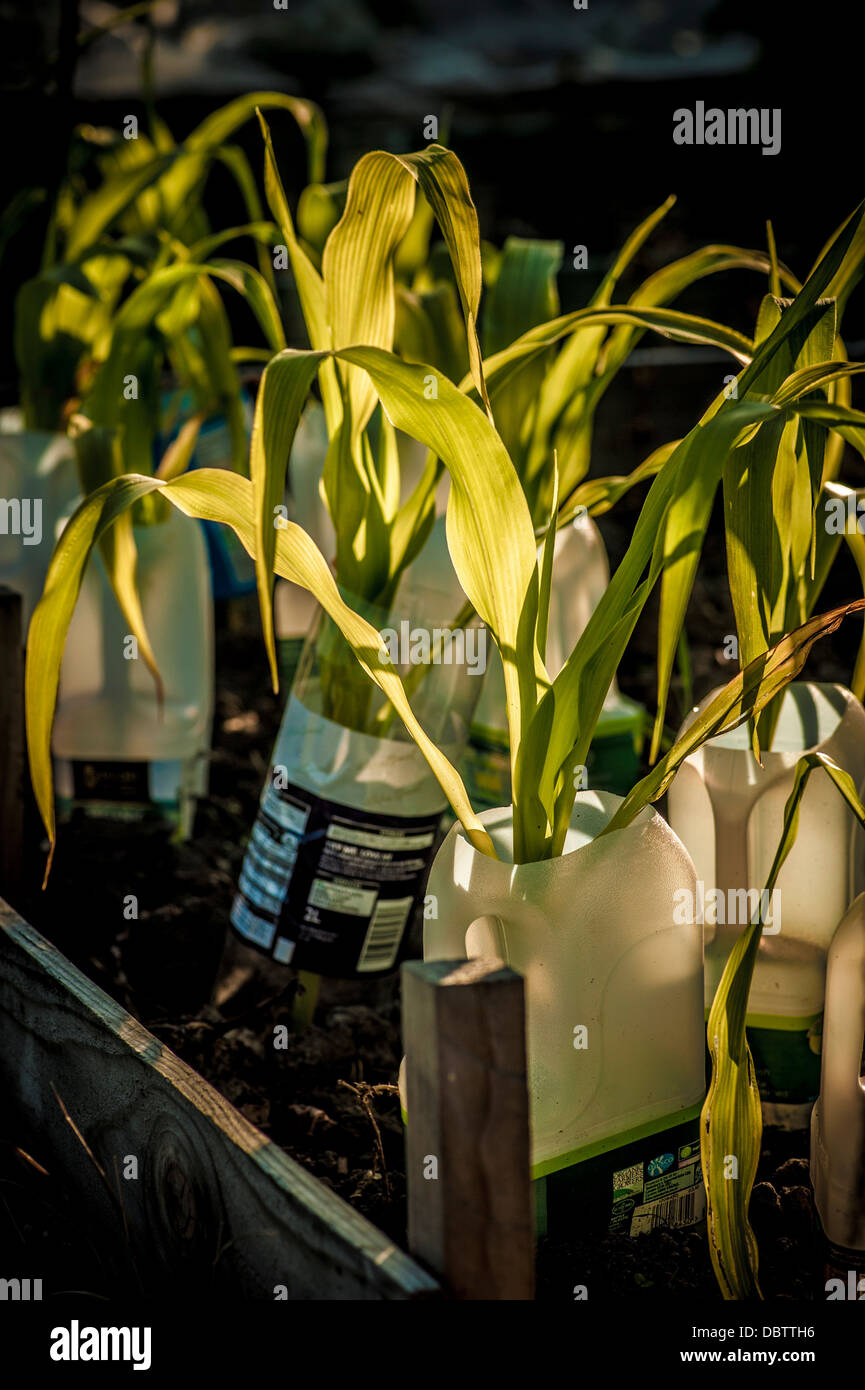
216	1209
11	741
468	1109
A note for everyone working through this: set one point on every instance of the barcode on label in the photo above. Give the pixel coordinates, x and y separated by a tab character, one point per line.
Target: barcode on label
384	933
684	1209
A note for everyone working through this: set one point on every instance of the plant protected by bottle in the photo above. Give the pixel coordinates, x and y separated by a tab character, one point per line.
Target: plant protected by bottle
614	1011
121	749
729	812
350	815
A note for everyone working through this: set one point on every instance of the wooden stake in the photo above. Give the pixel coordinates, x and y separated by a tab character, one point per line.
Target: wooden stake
11	742
470	1215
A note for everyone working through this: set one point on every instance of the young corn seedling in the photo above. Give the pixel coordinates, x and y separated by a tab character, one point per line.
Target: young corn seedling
780	484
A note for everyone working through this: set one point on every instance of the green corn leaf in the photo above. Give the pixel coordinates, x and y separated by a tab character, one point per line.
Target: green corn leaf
523	296
319	208
234	159
429	328
178	454
855	539
743	697
564	723
104	206
257	292
360	307
105	402
815	287
443	182
261	232
98	457
413	252
524	293
588	364
849	269
308	281
546	582
671	323
179	186
282	395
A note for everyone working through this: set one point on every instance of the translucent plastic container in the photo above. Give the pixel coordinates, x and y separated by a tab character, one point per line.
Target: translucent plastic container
614	1006
232	567
294	607
38	473
350	816
116	752
729	813
838	1119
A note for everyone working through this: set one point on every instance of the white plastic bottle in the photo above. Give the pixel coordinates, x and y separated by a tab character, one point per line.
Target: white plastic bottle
350	815
117	753
729	813
838	1118
614	1008
232	567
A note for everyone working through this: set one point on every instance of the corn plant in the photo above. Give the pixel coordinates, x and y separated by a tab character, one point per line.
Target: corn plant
127	289
145	212
540	378
776	485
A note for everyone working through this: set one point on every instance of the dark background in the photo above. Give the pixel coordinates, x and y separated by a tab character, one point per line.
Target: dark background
563	119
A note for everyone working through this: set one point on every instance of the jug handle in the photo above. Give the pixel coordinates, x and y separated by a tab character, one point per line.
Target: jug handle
465	936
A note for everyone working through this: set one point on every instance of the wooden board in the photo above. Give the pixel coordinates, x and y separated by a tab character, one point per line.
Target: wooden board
470	1214
216	1207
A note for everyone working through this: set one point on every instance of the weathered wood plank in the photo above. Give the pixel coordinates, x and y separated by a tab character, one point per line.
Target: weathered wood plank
11	741
469	1190
216	1207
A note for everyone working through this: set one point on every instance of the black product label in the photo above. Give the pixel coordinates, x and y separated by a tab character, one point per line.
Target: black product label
111	781
629	1190
329	888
